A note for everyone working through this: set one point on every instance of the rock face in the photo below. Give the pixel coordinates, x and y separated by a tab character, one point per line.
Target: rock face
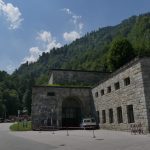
117	101
124	98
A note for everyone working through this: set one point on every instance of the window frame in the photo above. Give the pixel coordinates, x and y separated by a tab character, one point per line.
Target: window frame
96	94
117	85
103	116
129	115
127	81
109	89
119	115
51	94
111	115
102	92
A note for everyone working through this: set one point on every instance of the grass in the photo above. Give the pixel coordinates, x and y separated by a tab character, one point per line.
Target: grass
70	85
21	126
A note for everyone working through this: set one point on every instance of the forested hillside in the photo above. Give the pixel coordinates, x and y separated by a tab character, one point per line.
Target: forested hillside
94	51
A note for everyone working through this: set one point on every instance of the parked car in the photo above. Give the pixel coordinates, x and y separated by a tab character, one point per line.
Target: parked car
7	120
89	123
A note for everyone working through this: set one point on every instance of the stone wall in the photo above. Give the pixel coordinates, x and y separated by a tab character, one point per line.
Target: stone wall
145	63
132	94
76	77
47	98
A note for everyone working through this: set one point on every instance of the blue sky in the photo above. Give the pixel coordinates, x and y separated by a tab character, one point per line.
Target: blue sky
28	28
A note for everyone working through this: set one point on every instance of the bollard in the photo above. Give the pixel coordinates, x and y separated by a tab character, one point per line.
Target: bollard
53	130
67	132
94	134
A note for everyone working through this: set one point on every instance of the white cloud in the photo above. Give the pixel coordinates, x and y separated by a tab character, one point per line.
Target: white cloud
45	36
71	36
67	10
78	26
81	25
48	42
34	52
75	19
10	69
12	14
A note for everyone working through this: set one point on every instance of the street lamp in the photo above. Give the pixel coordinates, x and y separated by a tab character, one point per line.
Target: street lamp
52	110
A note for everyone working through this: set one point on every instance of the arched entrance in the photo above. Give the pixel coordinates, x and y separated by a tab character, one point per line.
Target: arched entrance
71	112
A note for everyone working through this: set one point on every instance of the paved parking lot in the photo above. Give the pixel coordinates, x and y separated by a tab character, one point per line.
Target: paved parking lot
83	140
80	140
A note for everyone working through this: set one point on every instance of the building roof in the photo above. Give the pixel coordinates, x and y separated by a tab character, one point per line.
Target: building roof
79	70
59	86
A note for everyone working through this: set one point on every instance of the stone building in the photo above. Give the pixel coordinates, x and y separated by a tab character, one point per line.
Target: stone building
66	99
116	100
124	97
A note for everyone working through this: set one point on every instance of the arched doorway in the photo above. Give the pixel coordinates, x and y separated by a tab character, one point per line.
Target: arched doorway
71	112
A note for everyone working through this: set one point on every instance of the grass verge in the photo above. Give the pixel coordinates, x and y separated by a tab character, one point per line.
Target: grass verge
21	126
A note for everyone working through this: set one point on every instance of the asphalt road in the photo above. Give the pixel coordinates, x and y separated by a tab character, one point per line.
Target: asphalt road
10	142
77	140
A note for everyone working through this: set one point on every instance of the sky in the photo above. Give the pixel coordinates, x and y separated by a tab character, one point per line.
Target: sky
30	27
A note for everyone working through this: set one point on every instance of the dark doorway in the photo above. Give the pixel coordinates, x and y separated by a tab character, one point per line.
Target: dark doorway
130	113
111	117
119	115
71	113
103	116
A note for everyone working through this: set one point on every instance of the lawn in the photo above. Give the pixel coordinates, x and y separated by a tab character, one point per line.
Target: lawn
21	126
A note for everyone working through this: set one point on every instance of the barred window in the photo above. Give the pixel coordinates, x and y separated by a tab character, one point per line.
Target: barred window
119	115
50	94
103	116
126	81
96	94
109	89
111	117
102	92
117	85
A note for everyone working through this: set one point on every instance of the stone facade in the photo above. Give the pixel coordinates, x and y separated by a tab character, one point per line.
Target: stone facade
145	64
134	93
47	105
117	100
76	77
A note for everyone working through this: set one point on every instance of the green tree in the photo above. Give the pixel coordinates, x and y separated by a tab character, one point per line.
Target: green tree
120	52
27	99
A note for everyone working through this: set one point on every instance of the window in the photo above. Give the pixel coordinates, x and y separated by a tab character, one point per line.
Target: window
50	94
111	117
98	116
126	81
102	92
119	115
117	85
96	94
109	89
130	113
103	116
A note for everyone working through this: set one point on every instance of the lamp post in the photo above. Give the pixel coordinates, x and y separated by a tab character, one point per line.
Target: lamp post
52	110
52	115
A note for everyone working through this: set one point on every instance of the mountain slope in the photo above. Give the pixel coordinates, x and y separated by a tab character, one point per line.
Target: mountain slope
87	53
